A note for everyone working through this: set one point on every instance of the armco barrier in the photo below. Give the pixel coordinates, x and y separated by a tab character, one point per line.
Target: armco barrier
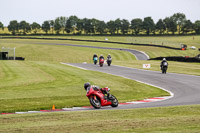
178	58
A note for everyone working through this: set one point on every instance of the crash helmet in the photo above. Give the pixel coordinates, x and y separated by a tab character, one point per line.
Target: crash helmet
164	59
86	85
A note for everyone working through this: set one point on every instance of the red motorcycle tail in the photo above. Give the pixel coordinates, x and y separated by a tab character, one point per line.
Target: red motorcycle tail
101	62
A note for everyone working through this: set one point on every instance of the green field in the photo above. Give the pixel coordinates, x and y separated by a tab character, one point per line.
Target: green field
32	50
151	51
172	41
180	119
41	81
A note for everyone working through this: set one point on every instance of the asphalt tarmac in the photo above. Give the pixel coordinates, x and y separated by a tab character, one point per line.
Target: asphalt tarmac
184	89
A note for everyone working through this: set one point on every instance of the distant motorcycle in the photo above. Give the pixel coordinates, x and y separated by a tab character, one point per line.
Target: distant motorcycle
98	99
101	61
164	67
109	60
95	60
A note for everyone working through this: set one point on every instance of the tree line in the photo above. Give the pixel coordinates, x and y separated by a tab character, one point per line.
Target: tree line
177	23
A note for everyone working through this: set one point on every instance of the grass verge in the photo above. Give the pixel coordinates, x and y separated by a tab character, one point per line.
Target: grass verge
174	67
162	119
151	51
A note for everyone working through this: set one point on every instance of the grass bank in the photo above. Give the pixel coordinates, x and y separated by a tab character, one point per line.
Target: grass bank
163	119
173	41
38	50
151	51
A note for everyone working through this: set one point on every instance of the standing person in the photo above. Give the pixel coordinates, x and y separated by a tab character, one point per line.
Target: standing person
164	65
95	58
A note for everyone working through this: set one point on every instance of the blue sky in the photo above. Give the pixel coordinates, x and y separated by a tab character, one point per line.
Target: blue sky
42	10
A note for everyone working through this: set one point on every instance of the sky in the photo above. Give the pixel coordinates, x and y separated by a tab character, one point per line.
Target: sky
42	10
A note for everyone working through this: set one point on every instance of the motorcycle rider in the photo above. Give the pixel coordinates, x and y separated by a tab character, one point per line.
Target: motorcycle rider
88	85
95	55
95	60
164	64
109	57
101	57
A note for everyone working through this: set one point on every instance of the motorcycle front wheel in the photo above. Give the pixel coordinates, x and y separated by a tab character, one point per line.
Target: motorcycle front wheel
95	102
114	101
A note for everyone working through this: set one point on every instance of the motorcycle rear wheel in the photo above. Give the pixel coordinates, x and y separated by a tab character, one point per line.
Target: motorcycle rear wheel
114	101
95	103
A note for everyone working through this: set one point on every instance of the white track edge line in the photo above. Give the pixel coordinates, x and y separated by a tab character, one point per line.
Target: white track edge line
73	65
171	94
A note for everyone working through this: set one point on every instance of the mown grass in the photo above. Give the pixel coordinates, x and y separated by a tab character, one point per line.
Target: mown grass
36	85
163	119
151	51
174	67
40	81
173	41
31	50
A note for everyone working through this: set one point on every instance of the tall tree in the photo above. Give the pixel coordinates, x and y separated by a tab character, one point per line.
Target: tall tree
71	24
35	27
117	25
46	26
180	19
13	26
136	25
101	26
160	26
148	25
1	26
170	25
63	21
24	26
94	24
125	26
111	27
80	26
57	25
187	27
88	26
51	22
197	26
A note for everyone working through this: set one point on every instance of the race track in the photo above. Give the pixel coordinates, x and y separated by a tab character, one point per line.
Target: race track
185	89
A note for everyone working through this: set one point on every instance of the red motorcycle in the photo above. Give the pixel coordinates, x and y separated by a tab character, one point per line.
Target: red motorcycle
97	98
101	61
